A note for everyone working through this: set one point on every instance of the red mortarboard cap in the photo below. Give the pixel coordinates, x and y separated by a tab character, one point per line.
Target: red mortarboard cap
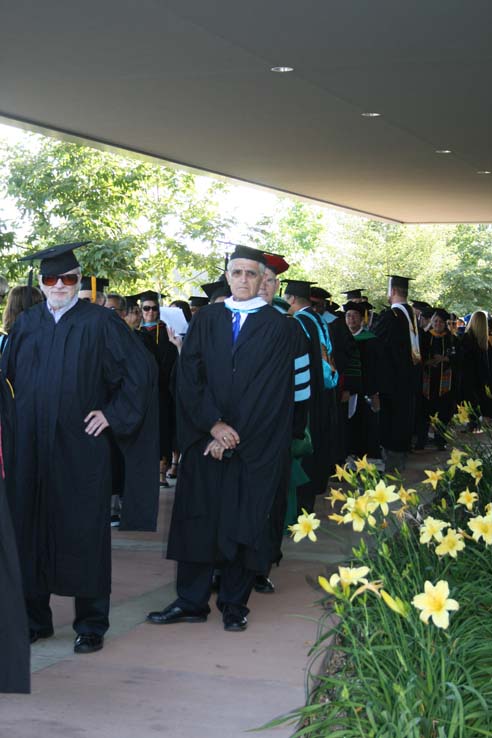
276	263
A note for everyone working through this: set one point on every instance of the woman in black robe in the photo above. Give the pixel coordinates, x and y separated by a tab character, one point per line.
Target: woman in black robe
477	367
166	354
440	358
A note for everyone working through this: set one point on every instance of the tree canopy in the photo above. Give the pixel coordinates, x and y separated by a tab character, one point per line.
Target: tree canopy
158	226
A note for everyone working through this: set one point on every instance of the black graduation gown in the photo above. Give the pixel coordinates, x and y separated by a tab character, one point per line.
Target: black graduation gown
323	421
301	416
347	362
222	508
363	436
60	372
166	354
476	374
140	454
402	380
14	631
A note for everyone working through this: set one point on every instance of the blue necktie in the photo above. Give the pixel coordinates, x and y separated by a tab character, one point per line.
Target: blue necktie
236	325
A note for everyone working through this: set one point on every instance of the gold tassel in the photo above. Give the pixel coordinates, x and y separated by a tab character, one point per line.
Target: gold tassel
93	289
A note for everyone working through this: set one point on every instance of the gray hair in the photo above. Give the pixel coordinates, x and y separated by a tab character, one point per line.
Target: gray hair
261	266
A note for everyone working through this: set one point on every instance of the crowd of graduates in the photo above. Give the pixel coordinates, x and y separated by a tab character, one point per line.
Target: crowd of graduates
270	377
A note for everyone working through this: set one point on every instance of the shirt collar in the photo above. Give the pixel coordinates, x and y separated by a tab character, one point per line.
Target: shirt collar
57	314
245	306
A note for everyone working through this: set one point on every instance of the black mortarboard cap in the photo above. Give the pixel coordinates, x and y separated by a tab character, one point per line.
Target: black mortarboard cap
361	307
353	294
276	263
197	301
396	281
332	307
101	283
298	288
246	252
420	304
131	300
319	293
428	312
149	295
220	288
442	313
56	259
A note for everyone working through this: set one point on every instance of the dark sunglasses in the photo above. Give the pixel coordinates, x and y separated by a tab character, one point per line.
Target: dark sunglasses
51	279
146	308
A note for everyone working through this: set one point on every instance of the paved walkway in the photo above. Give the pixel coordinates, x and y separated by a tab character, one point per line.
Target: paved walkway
185	680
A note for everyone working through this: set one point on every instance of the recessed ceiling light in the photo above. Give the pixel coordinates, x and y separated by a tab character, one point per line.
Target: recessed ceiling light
371	115
282	69
484	171
443	151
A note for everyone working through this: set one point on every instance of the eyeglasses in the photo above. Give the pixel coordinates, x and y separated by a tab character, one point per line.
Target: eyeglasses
146	308
69	280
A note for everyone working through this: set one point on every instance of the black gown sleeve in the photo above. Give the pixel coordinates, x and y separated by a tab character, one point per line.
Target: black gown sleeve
129	374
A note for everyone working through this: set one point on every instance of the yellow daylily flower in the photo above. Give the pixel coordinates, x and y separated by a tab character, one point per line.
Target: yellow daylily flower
407	496
395	603
325	584
400	513
481	527
454	462
462	413
432	528
359	511
488	508
338	519
450	544
472	467
456	456
341	473
435	603
336	496
348	575
381	495
364	465
305	526
467	499
433	477
368	587
434	419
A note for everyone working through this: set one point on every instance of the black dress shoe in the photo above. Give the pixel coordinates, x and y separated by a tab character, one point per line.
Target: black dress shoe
263	584
88	643
35	635
175	614
234	622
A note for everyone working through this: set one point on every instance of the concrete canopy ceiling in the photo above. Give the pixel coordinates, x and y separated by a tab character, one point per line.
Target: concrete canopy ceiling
189	81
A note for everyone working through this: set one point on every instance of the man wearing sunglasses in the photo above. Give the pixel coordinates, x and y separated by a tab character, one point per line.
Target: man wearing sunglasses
76	370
